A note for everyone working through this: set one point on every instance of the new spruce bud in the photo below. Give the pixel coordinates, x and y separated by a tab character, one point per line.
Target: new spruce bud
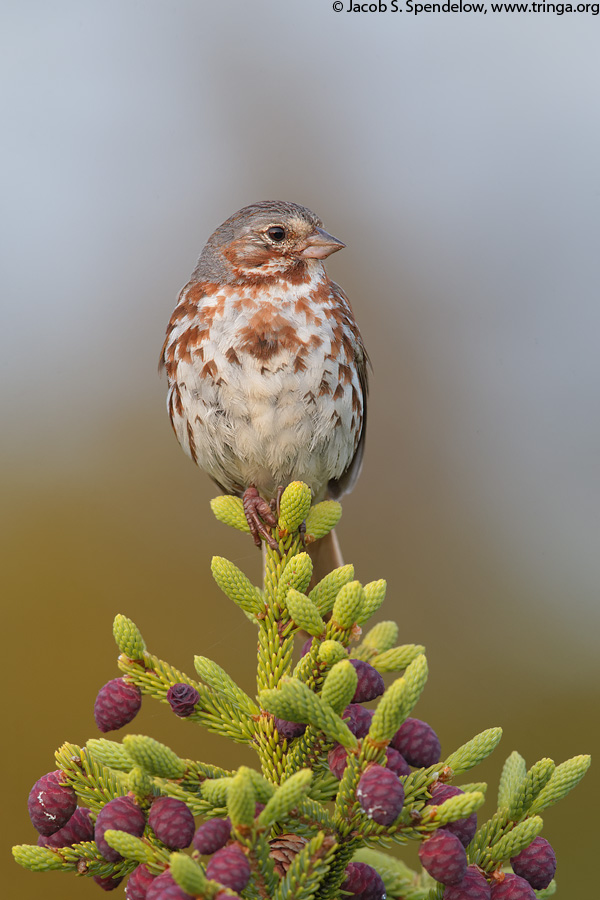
381	637
460	806
241	798
294	506
516	839
513	774
396	659
296	574
286	798
128	638
474	751
230	511
531	785
331	652
127	846
322	518
563	779
340	685
237	587
323	595
152	756
217	678
373	598
187	874
304	613
215	791
109	753
140	783
37	859
390	713
348	604
295	701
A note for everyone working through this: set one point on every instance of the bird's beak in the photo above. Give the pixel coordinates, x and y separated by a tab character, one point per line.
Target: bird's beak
320	245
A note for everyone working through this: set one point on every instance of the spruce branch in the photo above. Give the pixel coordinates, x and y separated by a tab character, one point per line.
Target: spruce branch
530	787
305	876
217	678
564	778
295	828
94	783
295	702
215	711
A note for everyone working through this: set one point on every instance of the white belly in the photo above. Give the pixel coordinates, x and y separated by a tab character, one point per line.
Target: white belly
266	421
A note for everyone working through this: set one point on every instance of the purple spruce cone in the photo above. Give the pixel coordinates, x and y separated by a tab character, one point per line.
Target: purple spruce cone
444	857
358	719
108	883
474	886
172	822
370	683
536	863
418	743
337	759
289	730
381	794
138	883
396	762
164	887
79	828
212	836
120	814
464	829
50	803
512	888
183	699
117	703
230	867
363	882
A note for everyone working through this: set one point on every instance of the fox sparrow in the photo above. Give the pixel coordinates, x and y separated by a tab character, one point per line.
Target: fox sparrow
266	366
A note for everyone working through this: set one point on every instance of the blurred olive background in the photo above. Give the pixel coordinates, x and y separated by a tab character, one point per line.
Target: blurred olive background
457	156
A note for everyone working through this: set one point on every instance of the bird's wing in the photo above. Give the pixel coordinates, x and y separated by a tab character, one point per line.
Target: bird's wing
347	480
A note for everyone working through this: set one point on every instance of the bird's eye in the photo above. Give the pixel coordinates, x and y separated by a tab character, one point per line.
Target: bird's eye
276	233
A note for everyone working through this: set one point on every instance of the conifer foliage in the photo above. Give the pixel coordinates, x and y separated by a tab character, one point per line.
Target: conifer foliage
336	783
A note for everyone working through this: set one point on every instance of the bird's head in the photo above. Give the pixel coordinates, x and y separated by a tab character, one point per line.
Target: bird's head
271	238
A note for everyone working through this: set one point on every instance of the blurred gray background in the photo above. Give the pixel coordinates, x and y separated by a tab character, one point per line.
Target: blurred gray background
457	156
